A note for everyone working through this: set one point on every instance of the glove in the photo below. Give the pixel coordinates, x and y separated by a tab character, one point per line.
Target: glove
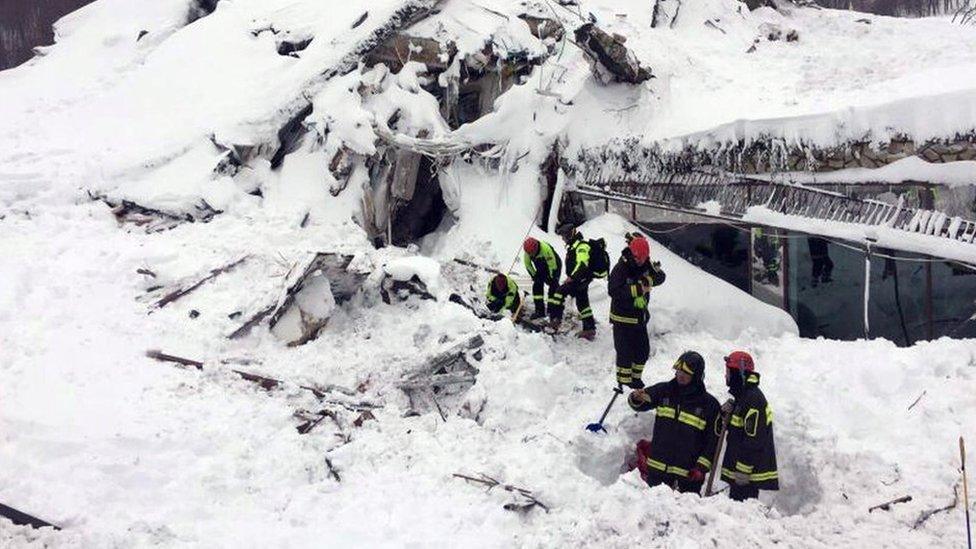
741	479
696	475
638	396
640	302
727	407
646	284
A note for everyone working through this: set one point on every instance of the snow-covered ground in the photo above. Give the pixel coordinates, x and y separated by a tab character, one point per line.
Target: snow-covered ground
121	450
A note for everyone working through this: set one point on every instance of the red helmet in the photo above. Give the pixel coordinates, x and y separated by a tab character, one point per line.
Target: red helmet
500	282
639	249
531	246
740	360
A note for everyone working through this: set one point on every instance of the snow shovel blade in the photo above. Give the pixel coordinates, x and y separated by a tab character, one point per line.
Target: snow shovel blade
595	428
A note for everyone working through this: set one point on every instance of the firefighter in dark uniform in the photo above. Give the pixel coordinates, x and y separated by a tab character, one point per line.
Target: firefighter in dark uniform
544	266
750	454
503	294
629	284
686	426
576	286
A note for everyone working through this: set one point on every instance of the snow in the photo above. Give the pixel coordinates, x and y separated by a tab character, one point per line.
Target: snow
124	451
879	236
910	169
424	268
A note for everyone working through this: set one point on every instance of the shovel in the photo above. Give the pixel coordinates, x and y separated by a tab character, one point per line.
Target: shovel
598	426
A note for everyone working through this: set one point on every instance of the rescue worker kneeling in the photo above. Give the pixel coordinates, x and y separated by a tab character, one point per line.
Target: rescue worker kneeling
503	294
686	426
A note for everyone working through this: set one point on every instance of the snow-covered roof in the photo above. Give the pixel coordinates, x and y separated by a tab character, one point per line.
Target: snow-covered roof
911	169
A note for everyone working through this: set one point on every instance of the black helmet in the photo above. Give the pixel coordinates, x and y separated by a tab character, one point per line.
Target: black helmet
692	363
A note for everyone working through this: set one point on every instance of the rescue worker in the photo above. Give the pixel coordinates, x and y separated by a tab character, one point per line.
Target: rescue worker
686	426
750	455
544	266
576	285
631	279
503	294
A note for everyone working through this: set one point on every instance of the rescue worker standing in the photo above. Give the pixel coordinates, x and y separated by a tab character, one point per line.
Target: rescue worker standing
544	266
576	286
686	426
503	294
631	279
750	454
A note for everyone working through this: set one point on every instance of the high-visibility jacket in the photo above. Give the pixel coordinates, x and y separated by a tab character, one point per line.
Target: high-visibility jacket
578	259
628	301
686	426
749	446
545	263
508	299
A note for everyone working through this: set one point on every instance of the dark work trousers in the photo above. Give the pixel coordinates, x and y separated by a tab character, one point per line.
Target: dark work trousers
674	482
742	493
633	347
539	283
539	294
579	291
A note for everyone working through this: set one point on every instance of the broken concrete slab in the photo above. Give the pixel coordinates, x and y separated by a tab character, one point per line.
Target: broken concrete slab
313	288
441	381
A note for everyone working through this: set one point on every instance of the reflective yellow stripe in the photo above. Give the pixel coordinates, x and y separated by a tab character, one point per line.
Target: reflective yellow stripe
736	421
755	477
586	313
677	471
633	290
754	415
536	296
665	411
623	319
739	466
655	464
759	477
665	468
705	462
680	365
693	420
638	369
769	415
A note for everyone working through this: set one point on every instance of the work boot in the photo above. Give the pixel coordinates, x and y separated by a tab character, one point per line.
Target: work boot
537	315
588	335
636	384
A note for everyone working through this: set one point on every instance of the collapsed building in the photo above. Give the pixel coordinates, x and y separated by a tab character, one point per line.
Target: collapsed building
424	74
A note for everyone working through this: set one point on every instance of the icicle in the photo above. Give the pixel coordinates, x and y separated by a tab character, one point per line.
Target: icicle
867	284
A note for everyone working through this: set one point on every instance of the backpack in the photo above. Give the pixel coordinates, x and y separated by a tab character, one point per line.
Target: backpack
599	258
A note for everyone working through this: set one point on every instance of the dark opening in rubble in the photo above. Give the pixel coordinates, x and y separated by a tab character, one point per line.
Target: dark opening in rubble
292	47
289	136
422	214
469	107
200	9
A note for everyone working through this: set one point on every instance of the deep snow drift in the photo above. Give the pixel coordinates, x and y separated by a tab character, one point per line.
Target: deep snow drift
121	450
